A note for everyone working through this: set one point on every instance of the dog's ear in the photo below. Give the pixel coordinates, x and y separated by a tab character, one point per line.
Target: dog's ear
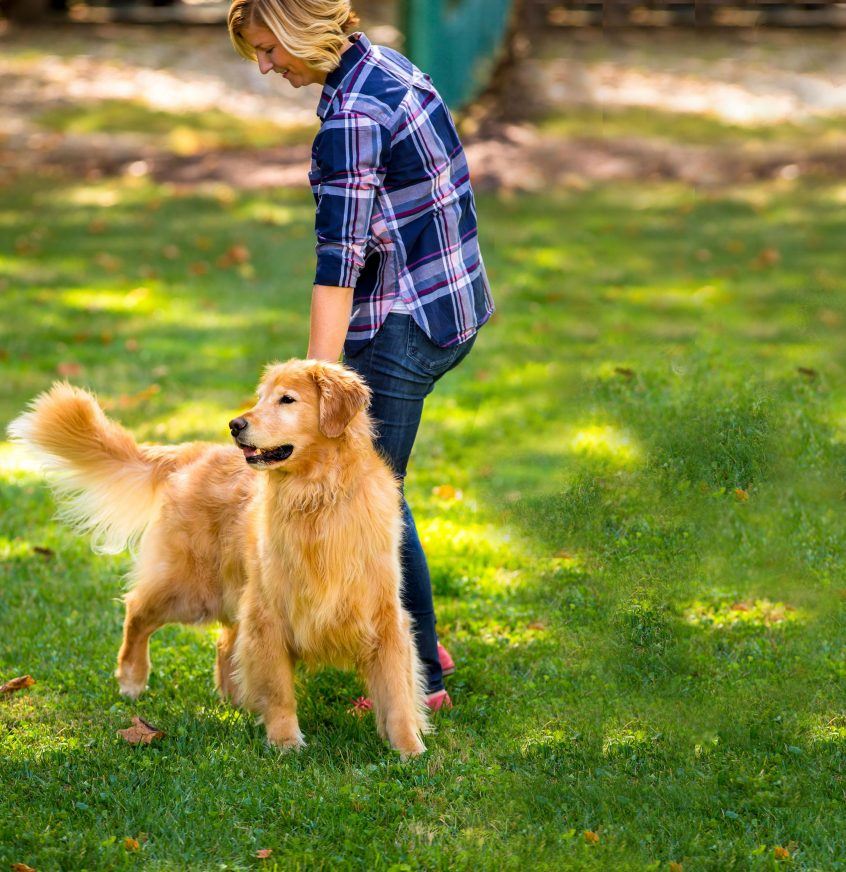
342	396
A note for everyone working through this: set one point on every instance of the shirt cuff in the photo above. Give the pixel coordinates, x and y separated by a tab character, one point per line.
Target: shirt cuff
337	265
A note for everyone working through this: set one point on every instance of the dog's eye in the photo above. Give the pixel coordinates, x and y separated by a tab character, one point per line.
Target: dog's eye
284	400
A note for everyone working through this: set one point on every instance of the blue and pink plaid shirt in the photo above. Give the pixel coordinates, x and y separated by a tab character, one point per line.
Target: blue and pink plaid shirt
395	211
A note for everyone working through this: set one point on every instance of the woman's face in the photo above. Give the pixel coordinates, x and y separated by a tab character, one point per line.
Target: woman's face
271	56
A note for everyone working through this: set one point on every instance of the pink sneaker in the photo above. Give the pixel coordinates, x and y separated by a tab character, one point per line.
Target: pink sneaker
439	701
447	663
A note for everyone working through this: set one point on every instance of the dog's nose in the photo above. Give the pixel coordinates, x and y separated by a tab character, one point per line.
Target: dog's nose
236	425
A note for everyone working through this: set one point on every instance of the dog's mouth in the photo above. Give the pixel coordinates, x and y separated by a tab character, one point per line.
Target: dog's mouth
265	455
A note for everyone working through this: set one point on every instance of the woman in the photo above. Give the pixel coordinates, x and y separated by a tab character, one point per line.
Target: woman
400	286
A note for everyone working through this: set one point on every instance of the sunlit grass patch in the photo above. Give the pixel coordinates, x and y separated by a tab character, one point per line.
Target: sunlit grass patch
829	730
182	133
731	613
606	443
630	739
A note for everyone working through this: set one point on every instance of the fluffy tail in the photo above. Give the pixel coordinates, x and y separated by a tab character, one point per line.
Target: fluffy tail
108	484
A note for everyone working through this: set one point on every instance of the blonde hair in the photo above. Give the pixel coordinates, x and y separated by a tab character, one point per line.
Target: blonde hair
312	30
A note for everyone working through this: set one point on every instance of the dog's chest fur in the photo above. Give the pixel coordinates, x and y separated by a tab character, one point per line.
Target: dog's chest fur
317	584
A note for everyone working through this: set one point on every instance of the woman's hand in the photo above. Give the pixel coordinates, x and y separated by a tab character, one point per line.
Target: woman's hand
330	319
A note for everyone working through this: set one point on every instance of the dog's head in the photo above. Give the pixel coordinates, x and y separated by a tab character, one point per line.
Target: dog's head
301	404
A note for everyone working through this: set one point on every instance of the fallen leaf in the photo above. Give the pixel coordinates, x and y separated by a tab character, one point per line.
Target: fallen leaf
591	837
781	853
17	684
446	492
768	257
131	844
264	853
43	551
238	253
68	369
21	867
740	607
676	867
624	371
741	494
107	261
130	401
536	625
141	732
806	371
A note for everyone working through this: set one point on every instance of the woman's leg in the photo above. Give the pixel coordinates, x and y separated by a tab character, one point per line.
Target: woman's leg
400	383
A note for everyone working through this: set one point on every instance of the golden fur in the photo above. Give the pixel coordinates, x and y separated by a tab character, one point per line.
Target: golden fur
298	558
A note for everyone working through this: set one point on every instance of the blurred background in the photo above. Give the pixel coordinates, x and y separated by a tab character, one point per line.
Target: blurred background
547	93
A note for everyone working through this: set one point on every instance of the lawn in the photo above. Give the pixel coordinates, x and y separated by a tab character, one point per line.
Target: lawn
632	498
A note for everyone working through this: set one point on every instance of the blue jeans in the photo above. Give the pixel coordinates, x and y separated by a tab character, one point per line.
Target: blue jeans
401	366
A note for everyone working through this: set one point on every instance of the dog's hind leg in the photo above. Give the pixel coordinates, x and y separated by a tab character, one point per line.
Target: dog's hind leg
149	605
224	670
140	622
393	680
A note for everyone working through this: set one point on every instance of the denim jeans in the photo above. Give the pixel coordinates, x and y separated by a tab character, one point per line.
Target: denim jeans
401	366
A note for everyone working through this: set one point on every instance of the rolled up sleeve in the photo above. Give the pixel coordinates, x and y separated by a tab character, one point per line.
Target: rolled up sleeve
351	153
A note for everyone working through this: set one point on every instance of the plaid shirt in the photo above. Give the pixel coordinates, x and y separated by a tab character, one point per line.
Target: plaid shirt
395	210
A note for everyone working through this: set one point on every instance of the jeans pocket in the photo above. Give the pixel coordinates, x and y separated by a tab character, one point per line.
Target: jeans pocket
431	358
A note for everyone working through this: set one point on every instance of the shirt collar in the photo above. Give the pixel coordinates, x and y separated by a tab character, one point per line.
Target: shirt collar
350	59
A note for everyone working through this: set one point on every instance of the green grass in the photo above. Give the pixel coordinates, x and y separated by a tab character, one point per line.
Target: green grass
690	128
641	579
182	132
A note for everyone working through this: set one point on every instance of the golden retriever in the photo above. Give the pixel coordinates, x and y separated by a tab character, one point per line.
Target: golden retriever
290	538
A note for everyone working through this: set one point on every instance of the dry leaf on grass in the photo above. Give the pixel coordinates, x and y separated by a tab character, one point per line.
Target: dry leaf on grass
141	732
264	853
591	837
741	494
536	625
21	867
446	492
43	550
676	867
131	844
68	369
781	853
17	684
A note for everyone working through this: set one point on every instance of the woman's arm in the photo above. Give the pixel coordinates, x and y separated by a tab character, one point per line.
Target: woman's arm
330	318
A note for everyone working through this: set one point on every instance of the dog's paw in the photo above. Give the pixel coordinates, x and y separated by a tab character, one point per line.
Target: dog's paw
412	751
131	690
287	745
284	733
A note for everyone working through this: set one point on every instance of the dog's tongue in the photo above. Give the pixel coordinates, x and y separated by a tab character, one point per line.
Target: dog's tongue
248	450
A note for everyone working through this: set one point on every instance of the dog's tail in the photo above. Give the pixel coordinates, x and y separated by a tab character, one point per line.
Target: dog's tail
108	484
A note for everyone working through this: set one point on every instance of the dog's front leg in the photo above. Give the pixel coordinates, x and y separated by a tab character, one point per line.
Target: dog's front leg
393	676
266	672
